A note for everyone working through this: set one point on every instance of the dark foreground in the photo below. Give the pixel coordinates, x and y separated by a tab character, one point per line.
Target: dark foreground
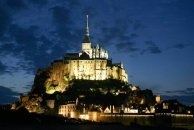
84	127
21	120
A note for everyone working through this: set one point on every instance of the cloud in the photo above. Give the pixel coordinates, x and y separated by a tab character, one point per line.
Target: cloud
118	32
119	36
67	36
30	43
138	26
121	32
16	4
27	87
17	64
6	48
180	46
185	99
25	45
126	47
24	36
60	15
74	3
29	48
187	91
40	2
7	95
122	40
2	68
185	96
4	21
190	89
151	48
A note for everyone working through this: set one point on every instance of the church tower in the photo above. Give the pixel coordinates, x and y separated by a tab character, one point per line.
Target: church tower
86	43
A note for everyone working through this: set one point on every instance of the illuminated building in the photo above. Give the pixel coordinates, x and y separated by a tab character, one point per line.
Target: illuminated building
67	109
92	63
158	99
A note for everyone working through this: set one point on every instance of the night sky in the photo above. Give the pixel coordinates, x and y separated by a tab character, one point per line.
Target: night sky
154	39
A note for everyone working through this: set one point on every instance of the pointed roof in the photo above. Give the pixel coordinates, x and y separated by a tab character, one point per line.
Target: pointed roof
84	56
86	37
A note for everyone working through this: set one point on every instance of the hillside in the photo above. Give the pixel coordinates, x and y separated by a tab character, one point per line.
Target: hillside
102	92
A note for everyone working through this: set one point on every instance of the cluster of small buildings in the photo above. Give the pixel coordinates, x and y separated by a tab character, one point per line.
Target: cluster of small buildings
75	109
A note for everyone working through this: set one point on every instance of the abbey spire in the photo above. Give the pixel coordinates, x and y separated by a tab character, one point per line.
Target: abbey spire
86	37
87	26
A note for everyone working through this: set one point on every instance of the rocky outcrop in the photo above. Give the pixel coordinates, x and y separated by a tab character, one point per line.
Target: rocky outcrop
32	103
52	79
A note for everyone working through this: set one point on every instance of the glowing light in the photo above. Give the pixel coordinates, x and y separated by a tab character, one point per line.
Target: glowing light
84	116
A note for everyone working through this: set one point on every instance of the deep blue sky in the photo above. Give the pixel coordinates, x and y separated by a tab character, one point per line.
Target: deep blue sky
153	38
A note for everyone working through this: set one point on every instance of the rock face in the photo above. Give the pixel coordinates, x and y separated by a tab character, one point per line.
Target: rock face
39	82
51	79
32	103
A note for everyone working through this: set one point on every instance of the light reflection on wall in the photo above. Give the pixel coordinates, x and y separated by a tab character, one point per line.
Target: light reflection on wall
84	116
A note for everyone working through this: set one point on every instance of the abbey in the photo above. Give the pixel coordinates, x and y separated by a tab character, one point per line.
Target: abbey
91	63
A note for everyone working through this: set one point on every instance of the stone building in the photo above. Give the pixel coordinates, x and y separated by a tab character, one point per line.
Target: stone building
68	109
91	63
